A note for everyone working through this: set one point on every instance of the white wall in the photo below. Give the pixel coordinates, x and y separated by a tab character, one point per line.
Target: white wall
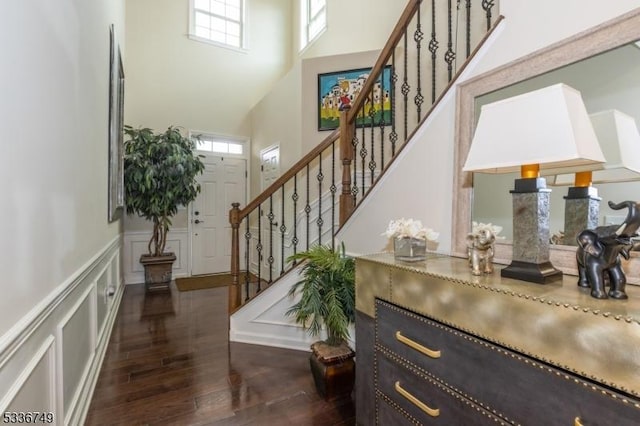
352	26
419	185
173	80
54	109
58	251
276	120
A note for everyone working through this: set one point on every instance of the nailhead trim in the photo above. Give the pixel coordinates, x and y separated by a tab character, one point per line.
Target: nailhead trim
514	355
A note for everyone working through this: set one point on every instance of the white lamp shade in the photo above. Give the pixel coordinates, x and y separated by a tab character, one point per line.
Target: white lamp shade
619	140
549	127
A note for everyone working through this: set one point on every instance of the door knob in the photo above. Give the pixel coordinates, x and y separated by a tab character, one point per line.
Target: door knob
198	221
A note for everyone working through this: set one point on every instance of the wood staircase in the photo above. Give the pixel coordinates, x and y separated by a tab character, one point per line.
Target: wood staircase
309	203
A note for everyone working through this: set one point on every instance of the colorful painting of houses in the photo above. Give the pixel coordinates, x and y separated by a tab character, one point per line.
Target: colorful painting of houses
337	89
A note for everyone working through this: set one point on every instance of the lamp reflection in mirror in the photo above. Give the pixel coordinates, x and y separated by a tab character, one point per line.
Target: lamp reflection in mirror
619	139
543	129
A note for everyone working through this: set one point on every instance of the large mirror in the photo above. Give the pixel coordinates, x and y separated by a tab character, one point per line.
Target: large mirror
603	64
610	80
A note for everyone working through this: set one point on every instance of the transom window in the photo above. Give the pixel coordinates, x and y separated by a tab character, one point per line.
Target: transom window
313	20
217	144
218	21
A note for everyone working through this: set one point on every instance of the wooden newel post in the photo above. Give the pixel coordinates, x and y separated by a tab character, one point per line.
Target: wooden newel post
234	288
347	130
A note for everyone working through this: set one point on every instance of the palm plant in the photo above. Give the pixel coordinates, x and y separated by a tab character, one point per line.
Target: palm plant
327	292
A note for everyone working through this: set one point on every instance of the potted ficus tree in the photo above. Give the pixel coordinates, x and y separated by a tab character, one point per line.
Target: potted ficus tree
160	171
327	299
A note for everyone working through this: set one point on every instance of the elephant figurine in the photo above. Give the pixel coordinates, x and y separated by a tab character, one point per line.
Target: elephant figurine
480	251
599	250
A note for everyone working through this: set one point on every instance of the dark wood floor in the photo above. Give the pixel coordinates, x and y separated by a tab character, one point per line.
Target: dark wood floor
169	362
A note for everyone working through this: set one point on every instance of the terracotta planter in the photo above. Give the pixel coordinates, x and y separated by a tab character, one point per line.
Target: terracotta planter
334	370
157	270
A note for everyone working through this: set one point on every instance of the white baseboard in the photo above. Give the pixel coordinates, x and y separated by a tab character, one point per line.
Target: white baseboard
270	340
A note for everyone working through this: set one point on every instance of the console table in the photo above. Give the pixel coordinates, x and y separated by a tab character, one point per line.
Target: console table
437	345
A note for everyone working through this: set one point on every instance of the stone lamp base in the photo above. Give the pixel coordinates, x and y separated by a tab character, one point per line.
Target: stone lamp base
531	234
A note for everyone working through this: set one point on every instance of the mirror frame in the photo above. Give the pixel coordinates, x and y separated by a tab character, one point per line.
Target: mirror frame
599	39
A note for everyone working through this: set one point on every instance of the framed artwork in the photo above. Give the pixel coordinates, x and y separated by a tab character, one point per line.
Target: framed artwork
336	89
116	129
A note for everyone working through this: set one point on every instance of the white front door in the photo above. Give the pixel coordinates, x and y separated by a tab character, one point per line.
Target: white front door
223	182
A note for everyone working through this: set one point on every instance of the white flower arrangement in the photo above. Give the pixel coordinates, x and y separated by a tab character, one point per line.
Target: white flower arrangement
403	228
477	227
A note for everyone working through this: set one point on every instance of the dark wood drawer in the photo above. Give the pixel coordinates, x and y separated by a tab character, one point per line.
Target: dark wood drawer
513	386
389	413
419	399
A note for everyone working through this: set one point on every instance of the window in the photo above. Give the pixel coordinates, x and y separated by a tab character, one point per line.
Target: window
217	144
313	20
218	21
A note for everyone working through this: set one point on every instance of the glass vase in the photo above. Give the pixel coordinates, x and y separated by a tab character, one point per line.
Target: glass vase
408	249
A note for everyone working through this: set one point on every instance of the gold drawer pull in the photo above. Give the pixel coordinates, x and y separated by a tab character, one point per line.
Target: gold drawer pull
417	346
577	422
433	412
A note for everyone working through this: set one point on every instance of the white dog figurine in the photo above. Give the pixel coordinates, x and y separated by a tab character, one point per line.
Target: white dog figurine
480	248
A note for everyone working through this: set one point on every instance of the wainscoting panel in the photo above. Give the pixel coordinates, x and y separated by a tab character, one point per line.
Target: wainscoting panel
75	344
50	360
257	323
102	299
35	388
135	244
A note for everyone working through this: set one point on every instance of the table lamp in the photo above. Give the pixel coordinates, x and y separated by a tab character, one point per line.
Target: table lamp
619	140
543	129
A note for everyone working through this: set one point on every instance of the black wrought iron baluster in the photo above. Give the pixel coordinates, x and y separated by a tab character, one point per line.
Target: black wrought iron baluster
319	177
247	240
363	149
295	197
487	5
433	48
354	182
372	114
405	88
418	99
333	188
393	136
283	230
270	259
307	208
450	55
259	247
